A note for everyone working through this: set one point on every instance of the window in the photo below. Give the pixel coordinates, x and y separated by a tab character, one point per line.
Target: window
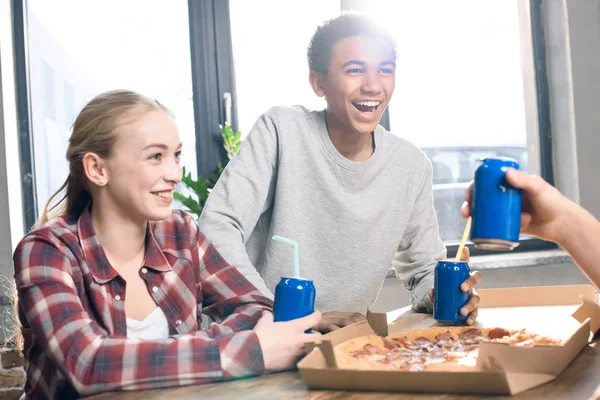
459	90
268	49
49	91
80	49
70	113
459	84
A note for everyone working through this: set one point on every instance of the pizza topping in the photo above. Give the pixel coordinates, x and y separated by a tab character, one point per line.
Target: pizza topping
392	356
470	333
470	347
446	345
525	343
370	349
542	340
422	341
474	341
389	345
498	333
444	336
403	354
404	342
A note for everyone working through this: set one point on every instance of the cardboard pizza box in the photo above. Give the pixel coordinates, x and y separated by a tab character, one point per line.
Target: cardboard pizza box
570	313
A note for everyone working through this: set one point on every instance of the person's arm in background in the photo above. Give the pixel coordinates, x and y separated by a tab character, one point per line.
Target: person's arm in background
243	192
549	215
421	248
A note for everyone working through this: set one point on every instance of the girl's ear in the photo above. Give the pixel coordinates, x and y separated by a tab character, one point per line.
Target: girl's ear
95	169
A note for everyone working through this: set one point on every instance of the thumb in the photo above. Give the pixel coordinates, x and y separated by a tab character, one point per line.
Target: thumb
522	180
309	321
516	178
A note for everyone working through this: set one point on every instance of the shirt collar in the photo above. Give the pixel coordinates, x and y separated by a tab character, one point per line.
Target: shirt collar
96	258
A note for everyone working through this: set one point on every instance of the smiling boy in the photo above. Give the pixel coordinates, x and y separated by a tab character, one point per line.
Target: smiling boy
355	197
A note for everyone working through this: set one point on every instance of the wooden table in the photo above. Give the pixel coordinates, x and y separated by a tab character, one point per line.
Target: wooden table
578	381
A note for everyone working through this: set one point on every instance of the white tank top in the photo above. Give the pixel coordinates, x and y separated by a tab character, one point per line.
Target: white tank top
154	326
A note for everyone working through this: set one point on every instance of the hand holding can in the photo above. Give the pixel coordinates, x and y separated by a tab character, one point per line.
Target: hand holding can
294	297
496	206
448	298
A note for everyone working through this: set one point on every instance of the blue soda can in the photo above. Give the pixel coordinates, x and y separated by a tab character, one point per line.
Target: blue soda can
496	206
448	299
294	298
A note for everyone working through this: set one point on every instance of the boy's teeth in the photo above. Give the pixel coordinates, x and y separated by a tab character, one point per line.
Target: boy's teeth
368	103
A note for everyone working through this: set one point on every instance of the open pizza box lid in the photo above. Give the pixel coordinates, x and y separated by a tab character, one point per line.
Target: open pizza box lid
570	313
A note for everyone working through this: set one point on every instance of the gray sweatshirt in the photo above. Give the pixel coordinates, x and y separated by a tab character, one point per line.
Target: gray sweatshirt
351	219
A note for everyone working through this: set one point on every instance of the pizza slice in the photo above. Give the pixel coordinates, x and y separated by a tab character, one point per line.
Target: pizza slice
430	349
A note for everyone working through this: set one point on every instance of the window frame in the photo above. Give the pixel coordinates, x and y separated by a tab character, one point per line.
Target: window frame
22	84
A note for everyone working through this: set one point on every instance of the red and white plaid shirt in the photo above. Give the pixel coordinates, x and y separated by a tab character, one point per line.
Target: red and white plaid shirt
71	304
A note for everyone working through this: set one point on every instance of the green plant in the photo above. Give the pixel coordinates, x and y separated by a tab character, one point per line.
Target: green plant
200	188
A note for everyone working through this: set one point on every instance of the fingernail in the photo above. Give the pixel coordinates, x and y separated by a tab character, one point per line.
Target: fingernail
464	311
464	287
469	321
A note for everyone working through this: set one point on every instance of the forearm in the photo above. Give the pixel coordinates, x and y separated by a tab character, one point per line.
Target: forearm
247	311
93	361
99	363
243	193
419	298
580	237
420	247
218	224
184	360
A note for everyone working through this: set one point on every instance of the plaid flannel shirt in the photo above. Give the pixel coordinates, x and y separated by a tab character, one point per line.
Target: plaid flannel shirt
71	306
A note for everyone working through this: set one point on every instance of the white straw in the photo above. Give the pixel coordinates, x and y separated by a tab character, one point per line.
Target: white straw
294	245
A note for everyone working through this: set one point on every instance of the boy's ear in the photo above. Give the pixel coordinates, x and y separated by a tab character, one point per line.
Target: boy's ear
316	82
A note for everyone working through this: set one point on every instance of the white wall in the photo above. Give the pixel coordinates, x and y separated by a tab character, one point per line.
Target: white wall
583	18
572	30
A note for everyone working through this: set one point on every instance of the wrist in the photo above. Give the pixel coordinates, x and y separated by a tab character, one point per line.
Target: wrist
261	358
574	220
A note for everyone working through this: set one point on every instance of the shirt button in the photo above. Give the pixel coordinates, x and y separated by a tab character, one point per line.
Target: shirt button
155	289
117	297
178	322
144	270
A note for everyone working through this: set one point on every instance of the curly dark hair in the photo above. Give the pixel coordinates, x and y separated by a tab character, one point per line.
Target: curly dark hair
332	31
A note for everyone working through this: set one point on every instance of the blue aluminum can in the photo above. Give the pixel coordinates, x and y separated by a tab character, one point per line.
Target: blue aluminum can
496	206
294	298
448	299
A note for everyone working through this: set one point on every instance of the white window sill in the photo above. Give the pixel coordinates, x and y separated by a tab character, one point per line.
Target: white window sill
514	260
525	259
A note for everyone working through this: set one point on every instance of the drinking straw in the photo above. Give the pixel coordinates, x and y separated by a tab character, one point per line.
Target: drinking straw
294	245
463	240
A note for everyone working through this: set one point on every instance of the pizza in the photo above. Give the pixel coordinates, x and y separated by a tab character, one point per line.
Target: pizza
431	349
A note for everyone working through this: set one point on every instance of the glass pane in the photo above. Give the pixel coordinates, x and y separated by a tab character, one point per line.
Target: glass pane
459	89
78	49
269	53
